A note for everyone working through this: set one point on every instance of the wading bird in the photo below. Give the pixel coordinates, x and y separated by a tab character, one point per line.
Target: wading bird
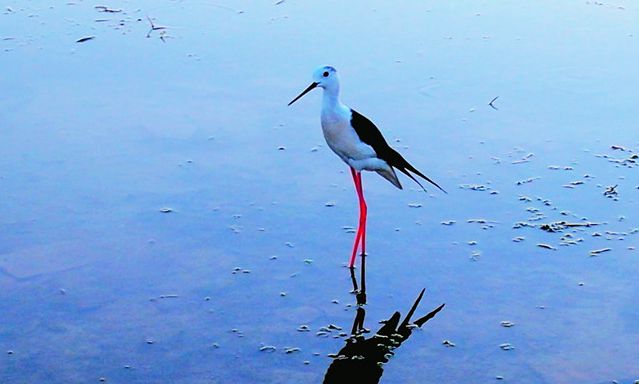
359	143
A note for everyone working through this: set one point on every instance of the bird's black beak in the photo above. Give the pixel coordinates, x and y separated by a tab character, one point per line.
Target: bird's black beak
307	90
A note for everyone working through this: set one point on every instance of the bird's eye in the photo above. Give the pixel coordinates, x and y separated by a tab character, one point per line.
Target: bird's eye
325	74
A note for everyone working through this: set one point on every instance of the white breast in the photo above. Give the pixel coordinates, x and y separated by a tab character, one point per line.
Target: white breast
342	138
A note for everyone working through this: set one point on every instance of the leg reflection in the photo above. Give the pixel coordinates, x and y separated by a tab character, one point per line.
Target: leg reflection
364	358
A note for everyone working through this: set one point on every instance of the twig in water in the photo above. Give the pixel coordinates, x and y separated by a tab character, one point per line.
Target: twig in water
491	103
154	28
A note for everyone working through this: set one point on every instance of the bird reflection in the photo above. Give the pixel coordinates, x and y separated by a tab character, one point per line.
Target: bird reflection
363	357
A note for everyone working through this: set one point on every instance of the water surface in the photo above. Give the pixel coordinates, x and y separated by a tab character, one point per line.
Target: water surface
100	137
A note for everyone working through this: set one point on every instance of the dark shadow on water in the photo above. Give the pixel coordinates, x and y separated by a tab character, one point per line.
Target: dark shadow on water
365	357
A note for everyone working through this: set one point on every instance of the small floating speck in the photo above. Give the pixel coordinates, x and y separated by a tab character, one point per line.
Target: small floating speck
291	350
166	210
348	229
303	328
415	205
519	239
448	343
282	293
546	246
308	261
448	222
329	204
9	352
506	347
507	324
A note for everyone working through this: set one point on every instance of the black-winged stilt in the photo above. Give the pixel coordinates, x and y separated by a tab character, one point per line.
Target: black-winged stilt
359	143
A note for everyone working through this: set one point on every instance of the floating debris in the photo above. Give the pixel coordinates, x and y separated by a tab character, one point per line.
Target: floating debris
506	347
303	328
290	350
474	187
525	159
268	348
329	204
104	8
528	180
166	210
519	239
618	147
348	229
559	226
169	296
506	324
86	38
611	191
596	252
492	101
155	28
448	222
415	205
448	343
546	246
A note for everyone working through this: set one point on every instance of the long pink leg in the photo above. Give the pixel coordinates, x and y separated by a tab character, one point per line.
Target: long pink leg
361	228
363	211
358	236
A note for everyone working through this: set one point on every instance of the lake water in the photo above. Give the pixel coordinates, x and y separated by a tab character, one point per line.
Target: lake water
167	218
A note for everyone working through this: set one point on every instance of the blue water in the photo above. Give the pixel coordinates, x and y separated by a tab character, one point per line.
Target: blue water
100	137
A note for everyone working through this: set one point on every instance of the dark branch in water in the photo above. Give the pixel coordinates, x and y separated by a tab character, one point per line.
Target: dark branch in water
561	225
491	103
611	191
155	28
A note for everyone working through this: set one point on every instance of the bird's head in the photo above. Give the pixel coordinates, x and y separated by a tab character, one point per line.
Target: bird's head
323	77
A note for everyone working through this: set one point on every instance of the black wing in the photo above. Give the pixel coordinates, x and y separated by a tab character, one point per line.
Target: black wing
370	134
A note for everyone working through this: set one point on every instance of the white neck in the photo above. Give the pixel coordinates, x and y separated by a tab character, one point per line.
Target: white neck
330	99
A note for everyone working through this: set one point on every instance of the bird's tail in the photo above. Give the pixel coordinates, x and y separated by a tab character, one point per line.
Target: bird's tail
390	175
404	166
